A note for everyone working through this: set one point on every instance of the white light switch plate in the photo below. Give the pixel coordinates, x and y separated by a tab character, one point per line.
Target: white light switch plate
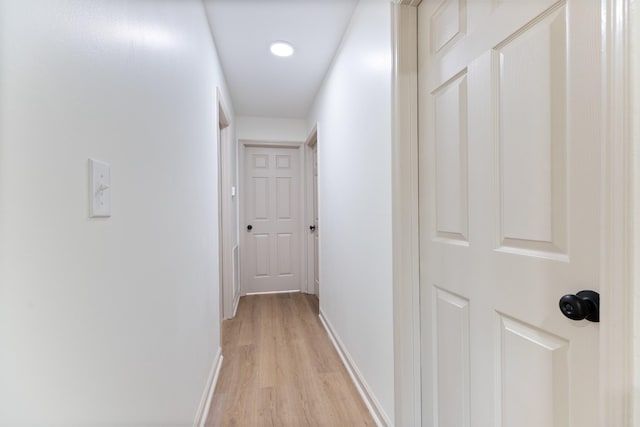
99	189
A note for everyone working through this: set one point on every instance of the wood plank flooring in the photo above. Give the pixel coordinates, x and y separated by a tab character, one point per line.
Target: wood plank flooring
280	369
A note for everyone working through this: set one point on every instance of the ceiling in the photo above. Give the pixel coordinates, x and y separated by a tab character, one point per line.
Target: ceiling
260	83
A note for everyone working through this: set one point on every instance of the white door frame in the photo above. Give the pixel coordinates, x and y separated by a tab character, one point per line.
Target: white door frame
225	209
242	145
616	307
309	217
616	281
405	240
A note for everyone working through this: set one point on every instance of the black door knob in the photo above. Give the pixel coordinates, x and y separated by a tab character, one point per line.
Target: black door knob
312	227
249	227
584	305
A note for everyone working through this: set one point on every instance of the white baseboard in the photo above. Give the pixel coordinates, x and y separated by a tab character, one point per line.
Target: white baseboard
273	292
379	416
235	305
207	395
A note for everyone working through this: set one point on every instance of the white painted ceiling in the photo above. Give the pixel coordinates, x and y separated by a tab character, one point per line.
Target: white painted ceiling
265	85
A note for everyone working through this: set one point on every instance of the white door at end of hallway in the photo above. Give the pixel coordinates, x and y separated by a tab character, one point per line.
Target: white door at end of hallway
509	132
271	231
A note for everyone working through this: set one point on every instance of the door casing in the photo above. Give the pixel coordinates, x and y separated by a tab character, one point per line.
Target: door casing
310	144
616	285
228	298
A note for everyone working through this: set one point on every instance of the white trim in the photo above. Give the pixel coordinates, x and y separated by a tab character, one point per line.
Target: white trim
413	3
309	144
271	144
616	315
377	413
292	291
236	278
207	395
405	220
223	118
225	208
634	76
236	303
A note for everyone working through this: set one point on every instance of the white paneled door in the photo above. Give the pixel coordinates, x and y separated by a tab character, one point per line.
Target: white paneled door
272	229
510	107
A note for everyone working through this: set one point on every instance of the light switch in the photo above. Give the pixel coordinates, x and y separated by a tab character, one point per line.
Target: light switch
100	189
233	191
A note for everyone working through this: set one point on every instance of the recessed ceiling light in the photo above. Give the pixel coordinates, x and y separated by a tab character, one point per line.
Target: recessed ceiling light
281	48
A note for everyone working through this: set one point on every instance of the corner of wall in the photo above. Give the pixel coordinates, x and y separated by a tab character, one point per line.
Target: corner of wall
207	395
369	398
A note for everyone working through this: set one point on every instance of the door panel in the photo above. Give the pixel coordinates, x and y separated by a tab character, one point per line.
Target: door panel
533	152
260	199
283	198
262	261
451	159
271	261
533	376
509	125
285	254
451	321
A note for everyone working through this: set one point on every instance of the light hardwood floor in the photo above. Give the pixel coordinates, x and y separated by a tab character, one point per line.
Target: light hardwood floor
280	369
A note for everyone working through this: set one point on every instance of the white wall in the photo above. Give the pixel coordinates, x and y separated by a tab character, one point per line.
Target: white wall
353	111
271	129
112	321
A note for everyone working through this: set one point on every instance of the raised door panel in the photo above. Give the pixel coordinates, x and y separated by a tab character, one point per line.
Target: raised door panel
260	161
532	136
451	159
448	23
534	376
284	253
262	255
283	161
284	190
261	196
451	348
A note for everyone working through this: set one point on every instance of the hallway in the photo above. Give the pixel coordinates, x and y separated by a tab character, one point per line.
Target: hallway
280	369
